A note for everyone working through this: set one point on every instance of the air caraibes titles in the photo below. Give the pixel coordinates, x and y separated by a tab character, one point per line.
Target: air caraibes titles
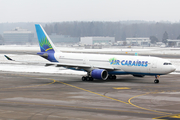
114	61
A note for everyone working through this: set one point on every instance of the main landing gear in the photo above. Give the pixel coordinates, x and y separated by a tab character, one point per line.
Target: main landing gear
112	77
87	78
156	79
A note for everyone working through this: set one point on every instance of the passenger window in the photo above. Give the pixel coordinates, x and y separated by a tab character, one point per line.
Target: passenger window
167	64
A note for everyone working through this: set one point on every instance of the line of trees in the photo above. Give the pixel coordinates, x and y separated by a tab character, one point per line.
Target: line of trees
156	31
1	40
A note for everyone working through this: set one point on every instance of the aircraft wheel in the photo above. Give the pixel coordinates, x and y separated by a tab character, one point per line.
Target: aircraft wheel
84	78
113	77
110	77
91	78
156	81
88	78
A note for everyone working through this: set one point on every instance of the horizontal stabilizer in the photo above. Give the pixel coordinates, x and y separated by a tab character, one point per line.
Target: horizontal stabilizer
25	62
9	58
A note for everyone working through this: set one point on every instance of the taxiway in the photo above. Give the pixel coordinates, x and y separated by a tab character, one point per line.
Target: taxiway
26	96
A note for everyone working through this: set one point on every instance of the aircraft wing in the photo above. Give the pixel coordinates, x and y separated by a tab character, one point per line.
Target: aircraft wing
79	66
68	65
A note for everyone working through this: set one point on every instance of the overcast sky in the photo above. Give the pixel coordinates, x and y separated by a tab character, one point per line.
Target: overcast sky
88	10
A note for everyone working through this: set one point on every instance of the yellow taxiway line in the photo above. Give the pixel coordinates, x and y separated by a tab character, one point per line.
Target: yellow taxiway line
142	107
92	92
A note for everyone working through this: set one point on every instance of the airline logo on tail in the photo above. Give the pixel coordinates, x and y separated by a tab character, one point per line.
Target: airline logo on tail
44	43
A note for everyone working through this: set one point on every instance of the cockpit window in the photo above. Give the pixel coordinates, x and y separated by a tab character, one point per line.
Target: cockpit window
167	64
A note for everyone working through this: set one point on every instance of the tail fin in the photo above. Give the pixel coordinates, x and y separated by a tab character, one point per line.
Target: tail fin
45	43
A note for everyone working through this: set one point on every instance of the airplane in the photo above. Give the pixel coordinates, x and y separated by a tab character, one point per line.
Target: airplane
100	66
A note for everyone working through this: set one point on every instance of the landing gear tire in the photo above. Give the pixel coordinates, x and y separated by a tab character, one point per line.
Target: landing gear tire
91	79
156	81
84	78
156	78
112	77
87	78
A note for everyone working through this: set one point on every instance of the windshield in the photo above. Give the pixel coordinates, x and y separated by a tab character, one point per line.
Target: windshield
167	63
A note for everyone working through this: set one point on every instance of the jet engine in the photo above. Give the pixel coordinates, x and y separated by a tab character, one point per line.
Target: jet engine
99	74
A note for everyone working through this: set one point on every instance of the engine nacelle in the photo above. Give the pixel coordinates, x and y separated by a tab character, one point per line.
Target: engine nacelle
99	74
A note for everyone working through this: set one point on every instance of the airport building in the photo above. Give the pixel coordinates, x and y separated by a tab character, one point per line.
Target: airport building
173	43
18	36
97	40
138	41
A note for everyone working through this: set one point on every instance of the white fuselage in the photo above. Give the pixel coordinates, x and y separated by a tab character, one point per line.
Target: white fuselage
123	64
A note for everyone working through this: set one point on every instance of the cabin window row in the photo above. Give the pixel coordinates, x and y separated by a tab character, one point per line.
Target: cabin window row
167	64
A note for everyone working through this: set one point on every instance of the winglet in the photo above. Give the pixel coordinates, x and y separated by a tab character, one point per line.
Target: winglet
8	58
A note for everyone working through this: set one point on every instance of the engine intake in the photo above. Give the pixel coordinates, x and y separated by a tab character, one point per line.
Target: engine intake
99	74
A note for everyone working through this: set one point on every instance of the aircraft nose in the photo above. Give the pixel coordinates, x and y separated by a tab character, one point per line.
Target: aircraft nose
173	68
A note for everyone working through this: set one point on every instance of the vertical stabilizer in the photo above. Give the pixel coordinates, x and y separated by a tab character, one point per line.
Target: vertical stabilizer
45	43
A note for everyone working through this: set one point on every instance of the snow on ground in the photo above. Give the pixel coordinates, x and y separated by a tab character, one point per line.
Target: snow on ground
19	48
114	49
37	65
39	69
78	49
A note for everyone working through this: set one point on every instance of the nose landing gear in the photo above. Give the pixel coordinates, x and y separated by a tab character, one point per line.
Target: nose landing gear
156	79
